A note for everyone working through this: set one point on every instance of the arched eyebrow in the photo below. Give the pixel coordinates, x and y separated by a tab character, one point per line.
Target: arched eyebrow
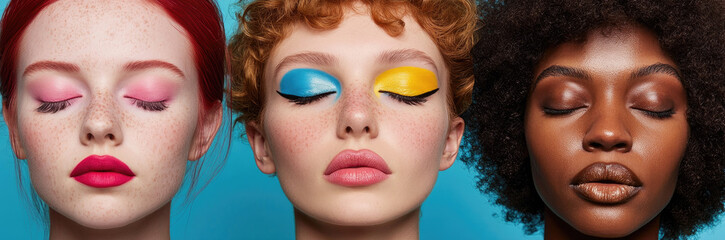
143	65
557	70
400	55
315	58
51	65
72	68
656	68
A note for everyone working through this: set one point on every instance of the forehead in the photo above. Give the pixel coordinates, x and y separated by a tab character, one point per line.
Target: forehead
357	40
94	33
611	51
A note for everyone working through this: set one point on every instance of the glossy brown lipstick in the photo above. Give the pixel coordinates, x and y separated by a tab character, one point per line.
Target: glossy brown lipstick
102	172
606	183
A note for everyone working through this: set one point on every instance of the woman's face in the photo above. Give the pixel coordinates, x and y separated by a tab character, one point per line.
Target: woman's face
106	109
353	125
606	129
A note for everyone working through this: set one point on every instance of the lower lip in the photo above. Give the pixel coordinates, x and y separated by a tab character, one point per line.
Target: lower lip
103	179
355	177
606	193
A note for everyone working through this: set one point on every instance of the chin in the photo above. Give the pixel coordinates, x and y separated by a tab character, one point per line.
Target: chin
608	228
365	215
103	222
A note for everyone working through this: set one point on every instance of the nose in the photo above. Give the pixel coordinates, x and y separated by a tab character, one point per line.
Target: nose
100	124
358	117
608	132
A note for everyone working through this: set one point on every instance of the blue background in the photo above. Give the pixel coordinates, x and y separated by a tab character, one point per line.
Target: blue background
243	203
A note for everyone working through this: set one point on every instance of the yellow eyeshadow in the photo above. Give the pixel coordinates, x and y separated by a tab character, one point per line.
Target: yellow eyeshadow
406	81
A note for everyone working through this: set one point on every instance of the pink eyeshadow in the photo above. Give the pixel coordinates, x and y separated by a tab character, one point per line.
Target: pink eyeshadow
151	90
53	89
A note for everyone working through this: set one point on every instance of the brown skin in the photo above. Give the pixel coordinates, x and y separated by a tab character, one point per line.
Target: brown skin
610	116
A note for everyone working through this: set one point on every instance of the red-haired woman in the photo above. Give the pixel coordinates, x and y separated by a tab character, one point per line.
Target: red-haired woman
354	106
108	101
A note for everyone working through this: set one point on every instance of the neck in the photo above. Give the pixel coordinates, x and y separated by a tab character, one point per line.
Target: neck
556	228
405	227
153	226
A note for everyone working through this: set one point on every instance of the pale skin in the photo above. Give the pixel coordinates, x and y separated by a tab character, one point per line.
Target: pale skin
297	142
90	56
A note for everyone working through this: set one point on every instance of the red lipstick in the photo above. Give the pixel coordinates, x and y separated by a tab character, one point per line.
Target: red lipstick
102	172
351	168
606	183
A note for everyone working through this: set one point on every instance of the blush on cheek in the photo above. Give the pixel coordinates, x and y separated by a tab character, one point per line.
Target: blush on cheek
152	89
53	89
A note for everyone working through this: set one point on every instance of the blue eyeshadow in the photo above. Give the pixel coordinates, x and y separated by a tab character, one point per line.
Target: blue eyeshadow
307	82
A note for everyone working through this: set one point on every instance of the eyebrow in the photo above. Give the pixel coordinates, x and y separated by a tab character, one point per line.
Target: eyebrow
400	55
557	70
143	65
656	68
316	58
51	65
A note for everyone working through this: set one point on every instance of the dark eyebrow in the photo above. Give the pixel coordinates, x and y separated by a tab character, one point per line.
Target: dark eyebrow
51	65
142	65
556	70
400	55
315	58
656	68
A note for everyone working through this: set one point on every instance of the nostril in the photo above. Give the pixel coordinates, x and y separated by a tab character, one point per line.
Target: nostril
111	137
89	136
367	129
620	145
595	145
348	130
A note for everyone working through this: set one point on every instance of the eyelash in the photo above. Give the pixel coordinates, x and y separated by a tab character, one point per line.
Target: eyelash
655	114
659	115
411	100
150	106
558	112
53	107
304	100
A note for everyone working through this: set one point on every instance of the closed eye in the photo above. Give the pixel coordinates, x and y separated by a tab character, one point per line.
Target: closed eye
299	100
658	114
559	112
411	100
54	107
150	106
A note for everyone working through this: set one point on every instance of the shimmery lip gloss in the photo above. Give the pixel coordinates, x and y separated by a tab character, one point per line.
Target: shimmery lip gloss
606	183
102	172
351	168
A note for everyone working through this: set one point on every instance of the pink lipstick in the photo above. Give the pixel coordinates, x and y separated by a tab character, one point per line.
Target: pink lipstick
102	172
351	168
606	183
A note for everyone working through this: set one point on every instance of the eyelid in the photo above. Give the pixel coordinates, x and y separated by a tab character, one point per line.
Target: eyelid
308	82
406	81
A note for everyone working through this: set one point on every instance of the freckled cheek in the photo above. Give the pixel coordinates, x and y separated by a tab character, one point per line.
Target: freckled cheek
48	142
295	137
164	141
423	133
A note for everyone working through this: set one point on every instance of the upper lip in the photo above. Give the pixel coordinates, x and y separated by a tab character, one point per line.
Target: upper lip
96	163
607	173
357	159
